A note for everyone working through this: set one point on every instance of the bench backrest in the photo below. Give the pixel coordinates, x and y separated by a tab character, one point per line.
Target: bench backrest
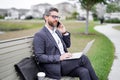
11	52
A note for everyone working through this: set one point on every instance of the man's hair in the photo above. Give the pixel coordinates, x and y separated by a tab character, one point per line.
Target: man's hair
48	11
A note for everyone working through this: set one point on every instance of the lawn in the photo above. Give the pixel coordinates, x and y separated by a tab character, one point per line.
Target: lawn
15	25
101	53
117	27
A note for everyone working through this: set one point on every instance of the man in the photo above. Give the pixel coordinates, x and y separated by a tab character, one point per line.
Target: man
50	46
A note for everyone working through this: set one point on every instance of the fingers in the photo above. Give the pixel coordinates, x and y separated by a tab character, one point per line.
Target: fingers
65	56
62	29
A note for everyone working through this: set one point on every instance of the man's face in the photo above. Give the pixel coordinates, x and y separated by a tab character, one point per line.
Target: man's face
52	19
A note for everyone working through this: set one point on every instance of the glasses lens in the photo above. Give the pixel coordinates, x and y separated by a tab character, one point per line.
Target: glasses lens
53	16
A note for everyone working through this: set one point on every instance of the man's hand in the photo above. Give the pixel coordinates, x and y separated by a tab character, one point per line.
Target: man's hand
61	28
65	56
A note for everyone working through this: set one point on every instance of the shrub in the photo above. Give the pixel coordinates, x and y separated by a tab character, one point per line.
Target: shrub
116	20
1	17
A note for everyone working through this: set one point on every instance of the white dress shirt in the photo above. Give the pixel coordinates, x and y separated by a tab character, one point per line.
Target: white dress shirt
57	39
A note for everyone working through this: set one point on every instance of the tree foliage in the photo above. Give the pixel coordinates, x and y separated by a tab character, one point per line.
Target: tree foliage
88	4
112	8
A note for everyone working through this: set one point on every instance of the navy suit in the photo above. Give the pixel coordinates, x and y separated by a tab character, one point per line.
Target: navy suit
47	51
48	54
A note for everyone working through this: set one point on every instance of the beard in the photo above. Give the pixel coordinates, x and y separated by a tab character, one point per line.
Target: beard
52	24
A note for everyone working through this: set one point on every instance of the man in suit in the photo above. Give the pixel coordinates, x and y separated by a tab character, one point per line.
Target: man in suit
50	47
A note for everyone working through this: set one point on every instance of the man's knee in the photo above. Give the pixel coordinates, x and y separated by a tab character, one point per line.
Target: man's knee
84	57
83	60
84	74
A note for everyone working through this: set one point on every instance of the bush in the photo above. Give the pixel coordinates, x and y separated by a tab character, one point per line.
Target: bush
29	17
113	20
1	17
95	17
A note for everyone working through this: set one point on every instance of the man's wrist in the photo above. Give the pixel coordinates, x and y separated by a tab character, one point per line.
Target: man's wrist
65	33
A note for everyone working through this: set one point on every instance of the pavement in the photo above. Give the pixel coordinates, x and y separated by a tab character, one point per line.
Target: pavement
1	32
114	36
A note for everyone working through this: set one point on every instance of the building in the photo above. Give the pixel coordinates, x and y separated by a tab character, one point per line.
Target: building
14	13
38	10
65	9
3	12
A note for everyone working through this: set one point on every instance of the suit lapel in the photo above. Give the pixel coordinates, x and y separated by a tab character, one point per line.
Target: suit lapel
50	37
60	36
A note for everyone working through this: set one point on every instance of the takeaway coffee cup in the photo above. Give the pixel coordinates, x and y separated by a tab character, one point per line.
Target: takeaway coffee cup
41	75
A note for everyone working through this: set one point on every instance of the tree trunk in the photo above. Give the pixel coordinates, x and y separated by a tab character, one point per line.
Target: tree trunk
87	22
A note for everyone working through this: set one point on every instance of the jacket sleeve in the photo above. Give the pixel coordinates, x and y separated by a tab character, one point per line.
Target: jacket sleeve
67	40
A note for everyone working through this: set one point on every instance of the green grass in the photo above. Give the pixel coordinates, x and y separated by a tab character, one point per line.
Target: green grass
117	27
14	25
101	56
101	53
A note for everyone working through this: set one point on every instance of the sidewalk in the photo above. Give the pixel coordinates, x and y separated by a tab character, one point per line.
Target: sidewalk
114	36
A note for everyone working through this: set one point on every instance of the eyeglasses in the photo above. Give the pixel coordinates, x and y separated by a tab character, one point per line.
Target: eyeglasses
54	17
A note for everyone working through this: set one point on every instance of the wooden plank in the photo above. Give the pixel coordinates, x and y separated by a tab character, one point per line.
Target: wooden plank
17	78
12	76
13	59
15	53
63	78
16	39
7	73
15	42
10	70
14	48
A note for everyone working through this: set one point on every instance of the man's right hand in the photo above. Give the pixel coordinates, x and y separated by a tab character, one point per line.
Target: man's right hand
65	56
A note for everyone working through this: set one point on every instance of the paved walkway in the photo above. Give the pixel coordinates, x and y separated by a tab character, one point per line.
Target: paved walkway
114	36
1	32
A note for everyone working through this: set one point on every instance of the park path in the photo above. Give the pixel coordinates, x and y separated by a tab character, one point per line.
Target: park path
114	36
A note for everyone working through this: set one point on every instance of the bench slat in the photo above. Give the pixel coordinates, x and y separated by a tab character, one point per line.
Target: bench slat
4	44
14	53
13	59
14	48
8	67
7	73
11	77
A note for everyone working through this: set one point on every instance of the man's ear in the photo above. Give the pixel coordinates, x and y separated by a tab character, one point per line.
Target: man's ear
45	17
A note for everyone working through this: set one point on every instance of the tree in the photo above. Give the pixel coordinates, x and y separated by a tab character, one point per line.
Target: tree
88	4
74	15
113	7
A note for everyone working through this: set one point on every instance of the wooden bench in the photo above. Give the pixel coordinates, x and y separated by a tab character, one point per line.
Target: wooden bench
13	51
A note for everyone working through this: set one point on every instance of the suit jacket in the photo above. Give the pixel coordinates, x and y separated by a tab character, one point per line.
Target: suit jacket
47	51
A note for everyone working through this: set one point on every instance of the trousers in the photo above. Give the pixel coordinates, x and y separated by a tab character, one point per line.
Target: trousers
81	68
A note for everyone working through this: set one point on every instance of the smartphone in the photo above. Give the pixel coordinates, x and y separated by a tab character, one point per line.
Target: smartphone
58	24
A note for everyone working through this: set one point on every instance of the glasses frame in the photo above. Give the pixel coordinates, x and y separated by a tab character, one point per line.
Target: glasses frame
54	17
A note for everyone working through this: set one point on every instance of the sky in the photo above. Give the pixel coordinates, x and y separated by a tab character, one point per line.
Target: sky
26	4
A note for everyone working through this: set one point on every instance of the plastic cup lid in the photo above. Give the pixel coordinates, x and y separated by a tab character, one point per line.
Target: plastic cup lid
42	74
